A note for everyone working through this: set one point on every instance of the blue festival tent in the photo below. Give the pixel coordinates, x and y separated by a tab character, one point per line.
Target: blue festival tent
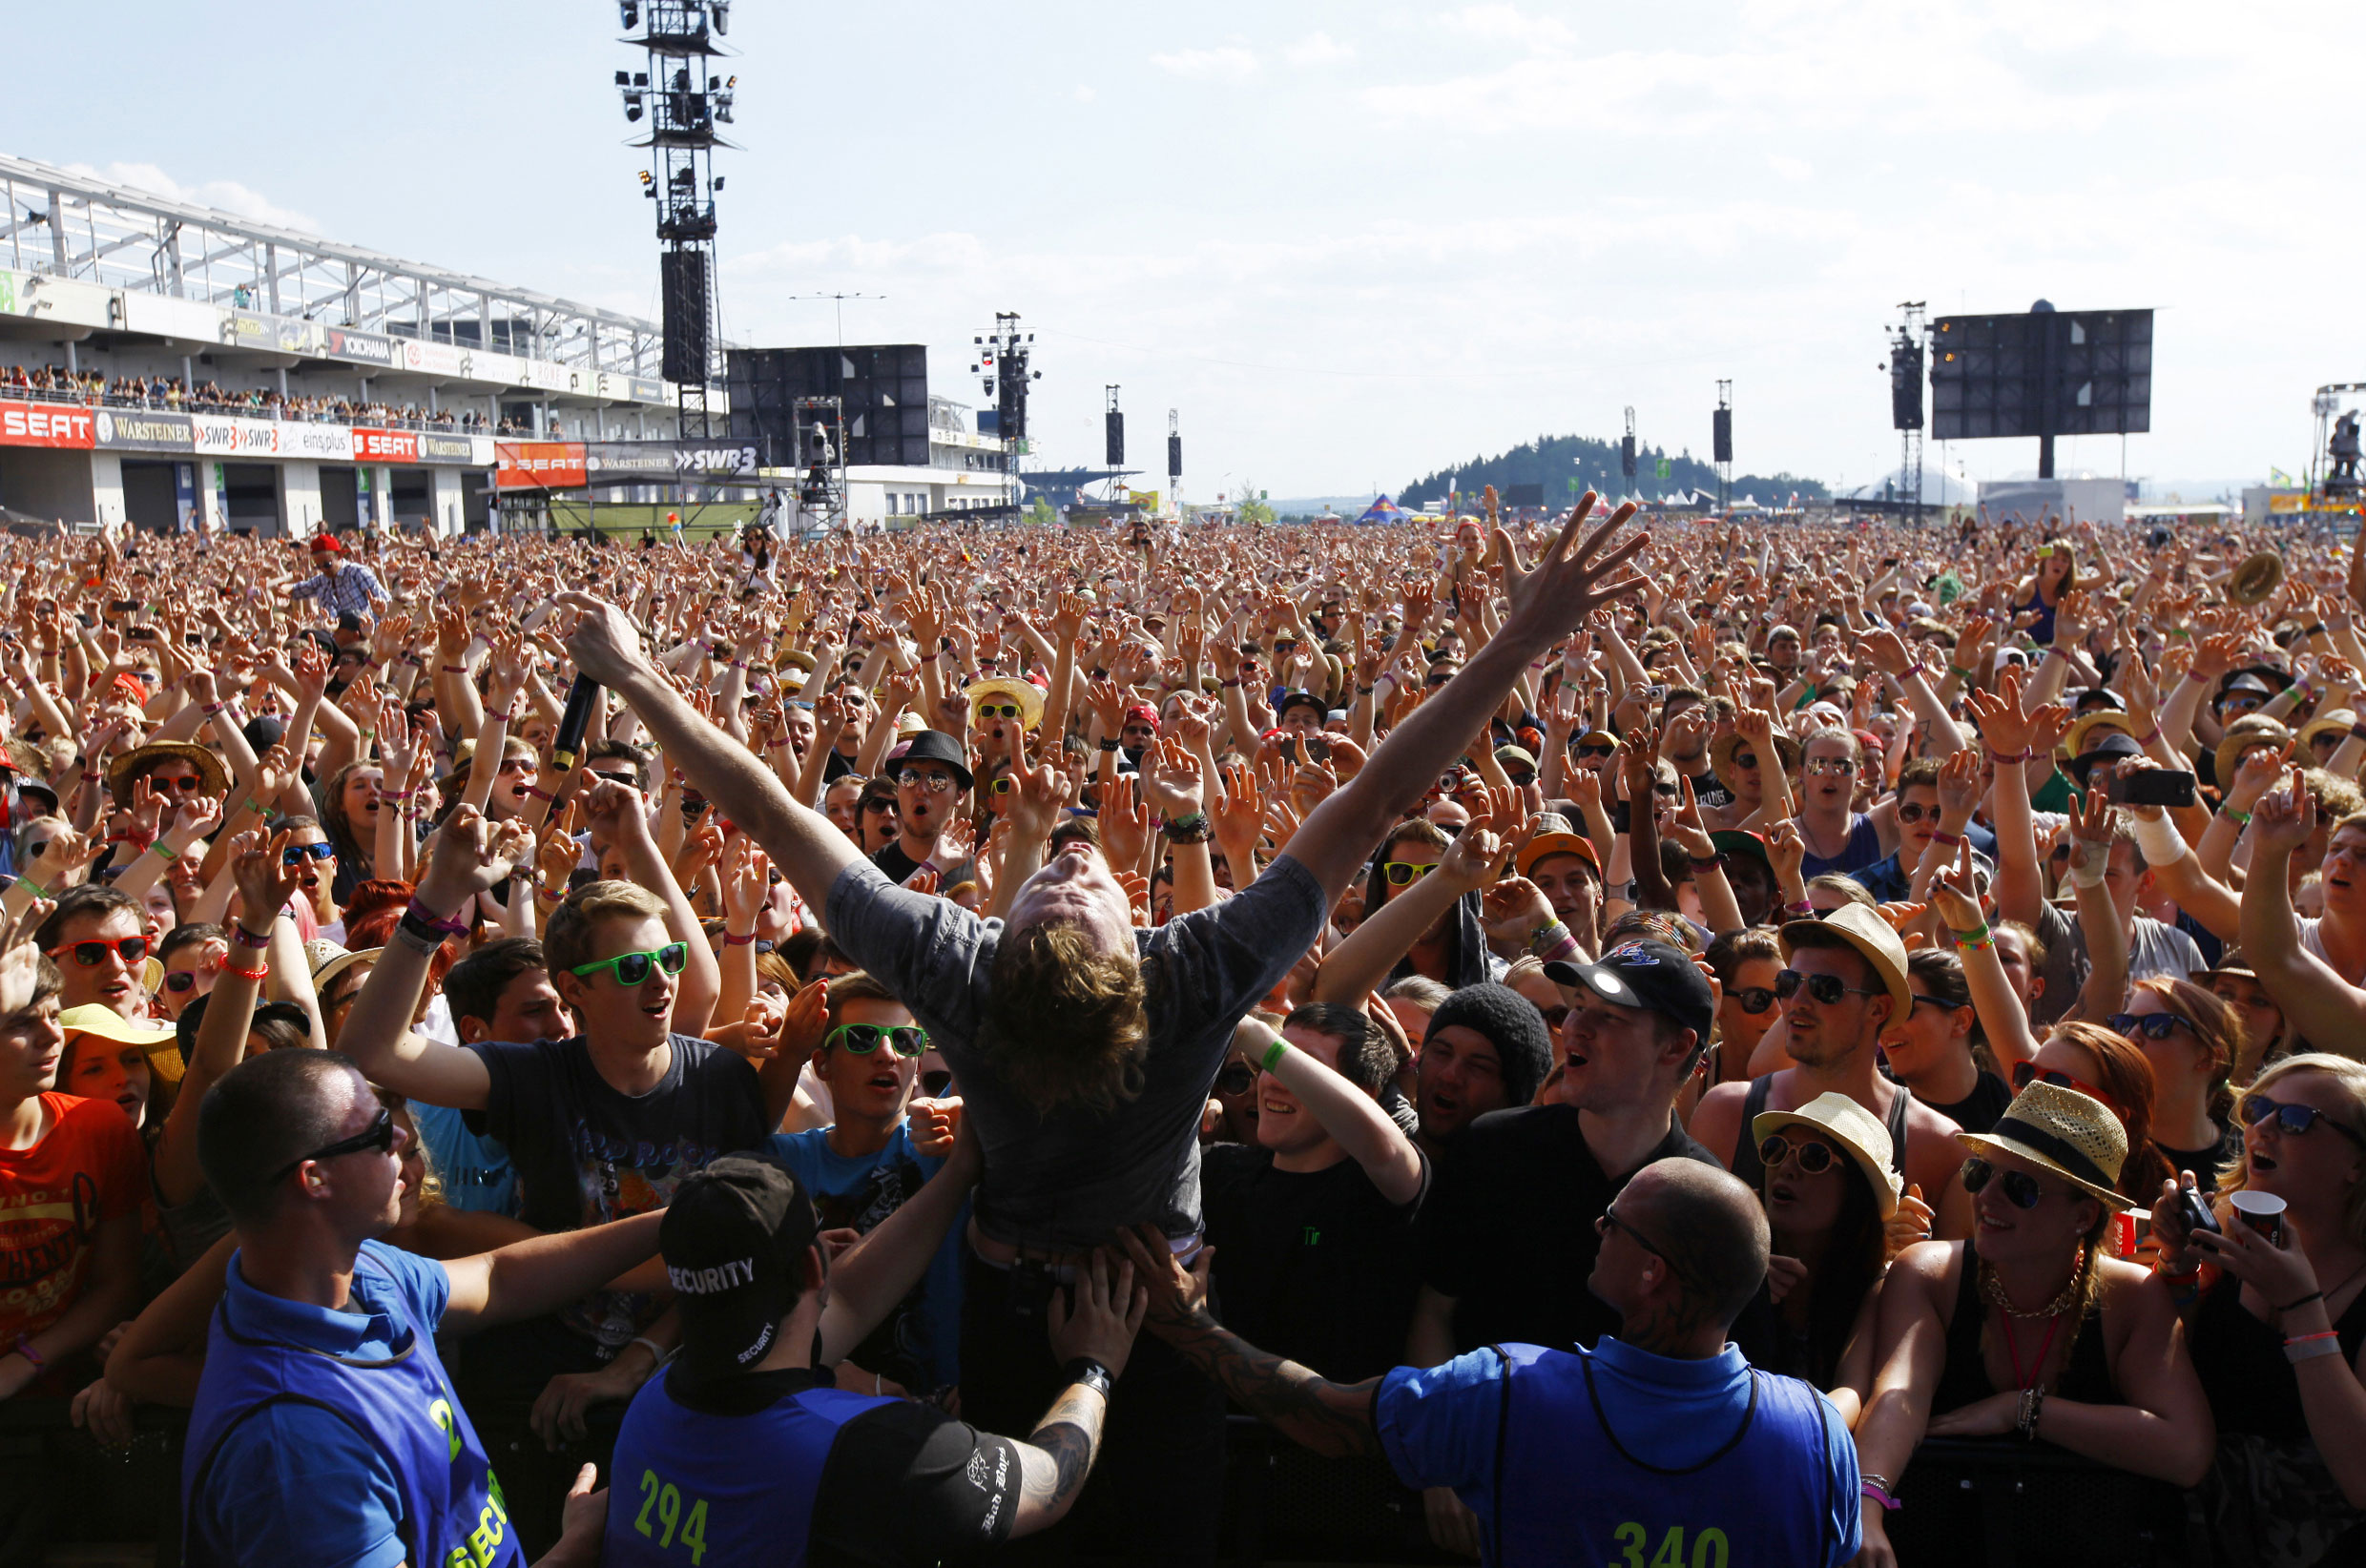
1382	510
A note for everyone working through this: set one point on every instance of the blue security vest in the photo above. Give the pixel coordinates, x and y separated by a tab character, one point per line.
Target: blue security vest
1567	1491
692	1490
453	1515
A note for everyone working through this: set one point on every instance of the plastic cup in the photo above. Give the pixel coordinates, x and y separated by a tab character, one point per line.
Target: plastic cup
2262	1211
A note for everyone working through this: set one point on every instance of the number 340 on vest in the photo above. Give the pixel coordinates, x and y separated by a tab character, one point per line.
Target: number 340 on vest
1708	1550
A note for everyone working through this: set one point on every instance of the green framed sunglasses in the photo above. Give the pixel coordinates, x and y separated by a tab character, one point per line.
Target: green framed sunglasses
907	1040
632	968
1401	872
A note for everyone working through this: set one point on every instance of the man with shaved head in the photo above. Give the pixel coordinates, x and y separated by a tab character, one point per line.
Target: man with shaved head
1645	1447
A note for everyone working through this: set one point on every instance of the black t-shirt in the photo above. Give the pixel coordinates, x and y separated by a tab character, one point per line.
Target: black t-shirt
903	1483
1979	1110
586	1154
893	863
2205	1162
1508	1229
1318	1266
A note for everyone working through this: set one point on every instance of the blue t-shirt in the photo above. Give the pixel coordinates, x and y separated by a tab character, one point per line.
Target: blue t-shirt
1670	1451
476	1171
919	1343
1863	848
294	1483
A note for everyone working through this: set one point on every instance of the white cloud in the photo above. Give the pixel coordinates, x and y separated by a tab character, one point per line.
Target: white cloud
1790	168
1501	24
1084	94
228	194
1228	63
1318	48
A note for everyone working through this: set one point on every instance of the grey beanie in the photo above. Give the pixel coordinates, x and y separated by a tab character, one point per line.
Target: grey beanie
1511	1024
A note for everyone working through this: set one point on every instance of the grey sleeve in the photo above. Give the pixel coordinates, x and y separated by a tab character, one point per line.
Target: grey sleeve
1217	962
927	950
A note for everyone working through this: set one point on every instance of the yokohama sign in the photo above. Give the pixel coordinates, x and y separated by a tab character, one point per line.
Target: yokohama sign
45	424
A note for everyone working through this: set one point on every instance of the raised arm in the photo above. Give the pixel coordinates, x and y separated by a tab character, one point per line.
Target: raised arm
2319	1003
1371	1139
543	1273
1573	577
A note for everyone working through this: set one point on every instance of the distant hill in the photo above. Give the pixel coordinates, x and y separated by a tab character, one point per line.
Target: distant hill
1553	461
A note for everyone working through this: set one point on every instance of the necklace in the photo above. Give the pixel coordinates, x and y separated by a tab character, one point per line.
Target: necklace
2334	1291
1993	1289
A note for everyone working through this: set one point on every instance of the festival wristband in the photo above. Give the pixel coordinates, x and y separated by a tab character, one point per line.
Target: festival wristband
452	925
1272	1054
257	974
239	934
2240	818
164	852
730	941
23	1348
1950	840
1978	937
2301	1348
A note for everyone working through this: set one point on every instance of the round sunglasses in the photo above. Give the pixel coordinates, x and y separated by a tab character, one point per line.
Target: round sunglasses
632	968
907	1040
1813	1158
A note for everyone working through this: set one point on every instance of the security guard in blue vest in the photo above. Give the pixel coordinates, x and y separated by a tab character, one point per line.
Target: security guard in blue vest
1660	1445
745	1451
325	1431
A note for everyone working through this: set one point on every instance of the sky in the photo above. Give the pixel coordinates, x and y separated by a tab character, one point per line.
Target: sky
1348	243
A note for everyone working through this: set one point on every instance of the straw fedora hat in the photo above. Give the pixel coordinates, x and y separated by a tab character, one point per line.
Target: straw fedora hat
1005	688
106	1024
2337	722
2077	740
1866	931
2250	731
1858	1131
2073	1135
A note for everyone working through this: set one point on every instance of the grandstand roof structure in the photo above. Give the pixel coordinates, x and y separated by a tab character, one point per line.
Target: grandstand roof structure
73	226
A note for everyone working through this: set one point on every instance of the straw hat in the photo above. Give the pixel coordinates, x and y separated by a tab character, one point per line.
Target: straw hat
2074	1136
141	758
2077	740
1554	836
2250	731
1858	1131
106	1024
1866	931
2337	722
329	960
1005	688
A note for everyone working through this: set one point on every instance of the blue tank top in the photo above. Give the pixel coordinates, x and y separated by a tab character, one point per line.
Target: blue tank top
1863	848
1765	1496
688	1489
453	1513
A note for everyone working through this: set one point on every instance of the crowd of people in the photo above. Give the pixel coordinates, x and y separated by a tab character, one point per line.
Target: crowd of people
1619	1038
57	381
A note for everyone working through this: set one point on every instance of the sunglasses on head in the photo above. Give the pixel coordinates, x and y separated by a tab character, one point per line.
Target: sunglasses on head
632	968
1824	988
378	1136
2292	1117
1813	1157
2152	1025
295	854
2021	1189
90	954
1401	872
998	710
905	1040
2026	1073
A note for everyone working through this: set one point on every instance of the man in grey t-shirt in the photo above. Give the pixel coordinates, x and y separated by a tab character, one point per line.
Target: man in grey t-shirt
1084	1048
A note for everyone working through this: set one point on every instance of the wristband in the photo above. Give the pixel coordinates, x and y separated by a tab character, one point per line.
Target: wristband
2150	738
1950	840
164	852
1236	681
1995	755
454	669
452	925
1189	829
1803	910
2294	1305
2357	732
1090	1373
657	1353
1109	745
23	1348
1913	670
927	658
256	974
1977	937
1962	673
2159	838
1272	1053
426	941
1712	863
2240	818
239	934
730	941
38	891
1869	1486
259	808
213	708
2315	629
557	895
2309	1347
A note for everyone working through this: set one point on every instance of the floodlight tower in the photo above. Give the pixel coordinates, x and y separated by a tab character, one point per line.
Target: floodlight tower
1907	344
684	100
1002	354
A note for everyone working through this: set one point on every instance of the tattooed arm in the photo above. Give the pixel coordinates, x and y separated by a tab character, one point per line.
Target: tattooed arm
1326	1416
1058	1454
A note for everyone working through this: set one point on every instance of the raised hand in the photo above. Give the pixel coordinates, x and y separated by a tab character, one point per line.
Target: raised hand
467	858
265	881
2285	818
1952	893
20	957
602	641
1125	822
1170	778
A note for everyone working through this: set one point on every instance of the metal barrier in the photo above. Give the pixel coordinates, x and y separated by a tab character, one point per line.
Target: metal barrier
2000	1503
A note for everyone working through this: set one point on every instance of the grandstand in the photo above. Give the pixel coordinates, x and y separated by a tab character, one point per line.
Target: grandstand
171	365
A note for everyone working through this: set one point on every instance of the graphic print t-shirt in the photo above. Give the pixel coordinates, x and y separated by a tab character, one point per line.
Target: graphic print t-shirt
88	1169
586	1154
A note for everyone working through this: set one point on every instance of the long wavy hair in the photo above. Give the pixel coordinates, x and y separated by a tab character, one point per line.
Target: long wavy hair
2350	1075
2123	1072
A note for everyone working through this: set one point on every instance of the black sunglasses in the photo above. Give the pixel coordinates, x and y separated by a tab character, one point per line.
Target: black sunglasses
2021	1188
2292	1117
1754	998
1813	1157
178	980
1237	1078
2153	1025
1824	988
379	1135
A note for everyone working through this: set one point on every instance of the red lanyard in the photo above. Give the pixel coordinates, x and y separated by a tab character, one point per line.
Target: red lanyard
2037	1368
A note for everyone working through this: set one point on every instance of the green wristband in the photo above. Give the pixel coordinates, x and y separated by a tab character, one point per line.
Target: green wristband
1272	1054
164	852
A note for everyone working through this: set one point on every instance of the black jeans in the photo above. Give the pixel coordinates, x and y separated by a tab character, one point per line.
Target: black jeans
1156	1492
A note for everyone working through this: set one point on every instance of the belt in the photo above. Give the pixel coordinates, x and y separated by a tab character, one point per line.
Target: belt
1003	1254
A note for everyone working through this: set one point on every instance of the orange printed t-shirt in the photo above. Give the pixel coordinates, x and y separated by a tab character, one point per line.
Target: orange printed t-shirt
90	1169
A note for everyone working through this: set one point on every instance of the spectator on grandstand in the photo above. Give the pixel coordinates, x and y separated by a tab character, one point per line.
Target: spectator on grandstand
1846	984
868	1163
1659	1435
325	1434
2292	1482
1313	1224
2108	1378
